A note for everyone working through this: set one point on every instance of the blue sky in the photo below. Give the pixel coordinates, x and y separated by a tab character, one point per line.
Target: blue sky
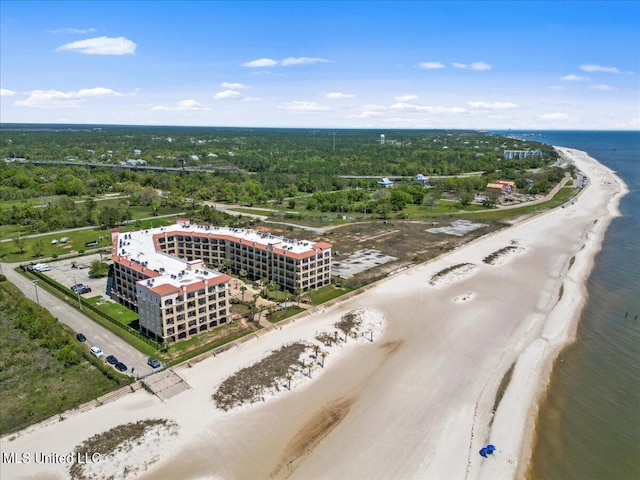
475	64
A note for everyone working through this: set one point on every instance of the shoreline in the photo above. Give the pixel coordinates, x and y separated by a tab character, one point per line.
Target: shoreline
568	337
561	323
415	403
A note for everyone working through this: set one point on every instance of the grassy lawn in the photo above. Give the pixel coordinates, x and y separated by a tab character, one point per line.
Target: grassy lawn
34	381
444	207
287	312
116	311
279	295
326	293
266	213
181	351
10	252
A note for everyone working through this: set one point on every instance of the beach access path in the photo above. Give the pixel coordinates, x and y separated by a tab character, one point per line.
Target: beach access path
418	401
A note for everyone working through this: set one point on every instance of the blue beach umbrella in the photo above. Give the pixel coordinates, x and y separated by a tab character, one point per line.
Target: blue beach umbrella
491	448
483	452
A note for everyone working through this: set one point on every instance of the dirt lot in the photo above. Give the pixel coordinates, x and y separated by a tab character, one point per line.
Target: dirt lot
407	240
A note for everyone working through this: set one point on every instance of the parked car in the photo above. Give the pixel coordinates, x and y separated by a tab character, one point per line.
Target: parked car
121	367
96	351
77	287
153	362
112	360
80	337
83	289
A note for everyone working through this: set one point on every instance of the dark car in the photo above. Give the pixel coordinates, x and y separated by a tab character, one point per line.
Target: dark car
84	290
121	367
77	286
80	337
153	362
112	360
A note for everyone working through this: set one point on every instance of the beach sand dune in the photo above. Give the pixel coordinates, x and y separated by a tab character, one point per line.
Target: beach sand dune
418	401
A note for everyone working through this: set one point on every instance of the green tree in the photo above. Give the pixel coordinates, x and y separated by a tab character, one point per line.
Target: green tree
98	269
465	198
37	247
20	243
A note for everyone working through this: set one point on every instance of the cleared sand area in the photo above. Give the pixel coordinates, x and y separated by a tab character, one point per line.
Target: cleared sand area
416	402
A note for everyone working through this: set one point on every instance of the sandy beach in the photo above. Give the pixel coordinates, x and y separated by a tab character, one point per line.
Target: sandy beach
419	401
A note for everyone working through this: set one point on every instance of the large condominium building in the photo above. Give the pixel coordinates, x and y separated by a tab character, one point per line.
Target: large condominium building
520	154
162	273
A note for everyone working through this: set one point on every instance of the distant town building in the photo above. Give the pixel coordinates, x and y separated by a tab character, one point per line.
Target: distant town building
131	162
521	154
502	186
421	179
385	182
382	139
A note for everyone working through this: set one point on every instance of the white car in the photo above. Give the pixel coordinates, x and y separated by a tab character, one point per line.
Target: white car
96	351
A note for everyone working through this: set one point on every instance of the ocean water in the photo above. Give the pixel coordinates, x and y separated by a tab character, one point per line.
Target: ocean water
589	424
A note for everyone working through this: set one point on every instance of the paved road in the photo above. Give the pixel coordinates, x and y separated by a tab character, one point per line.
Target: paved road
96	334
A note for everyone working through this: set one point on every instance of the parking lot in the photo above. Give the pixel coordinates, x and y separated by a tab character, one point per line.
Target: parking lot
63	272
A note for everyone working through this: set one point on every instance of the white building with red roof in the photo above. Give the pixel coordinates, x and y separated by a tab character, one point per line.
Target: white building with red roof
162	272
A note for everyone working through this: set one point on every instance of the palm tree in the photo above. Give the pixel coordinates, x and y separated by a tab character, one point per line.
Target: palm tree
323	354
289	377
243	289
316	349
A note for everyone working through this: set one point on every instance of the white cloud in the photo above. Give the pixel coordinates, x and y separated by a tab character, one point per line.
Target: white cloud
431	65
599	68
374	107
251	99
261	63
574	78
6	93
189	104
270	62
480	66
101	46
472	66
338	95
301	106
493	106
182	105
77	31
365	114
405	98
301	61
554	116
426	108
97	92
601	87
227	94
556	87
233	86
58	99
